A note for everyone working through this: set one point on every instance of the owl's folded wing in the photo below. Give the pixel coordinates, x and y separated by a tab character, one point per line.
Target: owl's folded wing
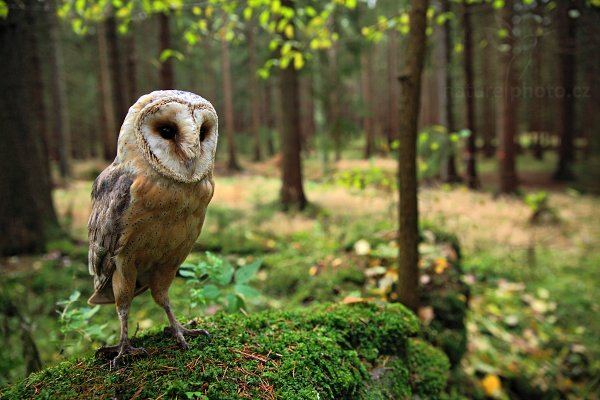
110	199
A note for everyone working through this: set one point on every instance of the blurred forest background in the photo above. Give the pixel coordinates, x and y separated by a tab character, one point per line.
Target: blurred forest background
309	97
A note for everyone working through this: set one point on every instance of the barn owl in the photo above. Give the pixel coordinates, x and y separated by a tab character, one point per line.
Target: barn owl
149	205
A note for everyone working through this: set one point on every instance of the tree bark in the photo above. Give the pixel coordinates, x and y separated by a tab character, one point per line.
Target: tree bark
392	86
109	128
489	99
61	126
272	114
449	172
27	215
292	190
254	92
36	79
566	113
232	162
210	79
537	117
307	110
471	150
506	153
131	67
367	120
116	72
167	75
333	100
408	213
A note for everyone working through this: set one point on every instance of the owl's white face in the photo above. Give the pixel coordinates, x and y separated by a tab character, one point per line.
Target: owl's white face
177	133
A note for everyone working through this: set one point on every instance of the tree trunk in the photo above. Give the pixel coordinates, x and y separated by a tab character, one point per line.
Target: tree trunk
210	80
116	73
292	190
333	100
36	79
272	114
471	150
449	172
307	110
26	212
147	46
367	120
232	162
109	128
537	117
566	113
131	67
506	153
408	213
392	86
254	92
167	75
62	129
489	99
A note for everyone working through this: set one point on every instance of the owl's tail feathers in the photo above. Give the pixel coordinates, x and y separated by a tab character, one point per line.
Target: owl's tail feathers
102	298
106	295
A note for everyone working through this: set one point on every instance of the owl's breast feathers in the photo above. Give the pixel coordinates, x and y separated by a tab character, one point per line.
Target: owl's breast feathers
143	222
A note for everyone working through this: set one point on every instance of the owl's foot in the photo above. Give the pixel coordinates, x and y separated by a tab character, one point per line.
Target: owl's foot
120	351
179	332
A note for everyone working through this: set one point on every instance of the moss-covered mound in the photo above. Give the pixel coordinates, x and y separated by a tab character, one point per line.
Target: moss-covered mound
355	351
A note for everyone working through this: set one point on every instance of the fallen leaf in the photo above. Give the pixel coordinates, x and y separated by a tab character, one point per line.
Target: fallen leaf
491	385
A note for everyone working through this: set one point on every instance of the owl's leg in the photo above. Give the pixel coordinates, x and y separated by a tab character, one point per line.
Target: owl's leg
159	287
123	289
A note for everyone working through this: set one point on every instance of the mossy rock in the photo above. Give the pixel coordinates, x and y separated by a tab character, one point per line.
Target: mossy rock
325	351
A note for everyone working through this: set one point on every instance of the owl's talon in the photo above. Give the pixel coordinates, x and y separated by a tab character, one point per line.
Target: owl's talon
179	332
123	349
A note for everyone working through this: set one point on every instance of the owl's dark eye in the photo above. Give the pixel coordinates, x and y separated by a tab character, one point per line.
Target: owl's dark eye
167	131
203	132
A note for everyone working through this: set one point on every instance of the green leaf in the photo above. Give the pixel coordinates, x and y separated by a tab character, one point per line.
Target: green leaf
223	277
263	18
247	13
263	73
211	292
285	49
464	133
273	44
170	53
246	291
186	273
247	272
190	38
74	296
298	61
234	302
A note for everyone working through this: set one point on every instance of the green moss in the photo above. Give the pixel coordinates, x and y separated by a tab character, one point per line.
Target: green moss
429	369
326	351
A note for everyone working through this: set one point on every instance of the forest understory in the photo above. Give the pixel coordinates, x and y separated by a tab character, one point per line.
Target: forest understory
533	285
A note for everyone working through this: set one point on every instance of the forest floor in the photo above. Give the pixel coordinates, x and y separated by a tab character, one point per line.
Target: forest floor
534	286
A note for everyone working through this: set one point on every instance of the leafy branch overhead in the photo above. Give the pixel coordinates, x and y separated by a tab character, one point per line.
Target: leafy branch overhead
294	33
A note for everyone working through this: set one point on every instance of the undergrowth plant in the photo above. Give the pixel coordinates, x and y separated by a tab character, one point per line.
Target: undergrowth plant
79	320
215	281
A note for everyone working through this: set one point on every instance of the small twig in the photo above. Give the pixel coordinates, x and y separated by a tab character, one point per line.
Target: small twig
224	372
250	355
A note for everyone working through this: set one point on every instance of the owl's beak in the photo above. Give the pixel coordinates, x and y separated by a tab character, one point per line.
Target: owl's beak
190	165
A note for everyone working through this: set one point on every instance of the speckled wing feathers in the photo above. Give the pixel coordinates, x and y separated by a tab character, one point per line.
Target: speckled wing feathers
110	198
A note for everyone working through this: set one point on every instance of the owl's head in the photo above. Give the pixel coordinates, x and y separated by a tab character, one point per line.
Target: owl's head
175	131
